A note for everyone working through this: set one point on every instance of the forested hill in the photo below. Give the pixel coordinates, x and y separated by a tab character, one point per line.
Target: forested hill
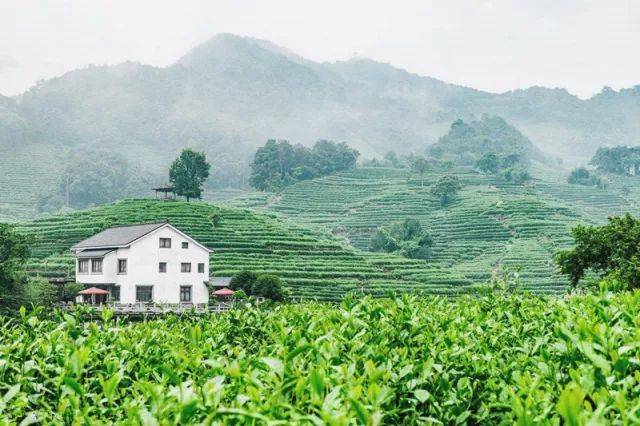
242	90
230	94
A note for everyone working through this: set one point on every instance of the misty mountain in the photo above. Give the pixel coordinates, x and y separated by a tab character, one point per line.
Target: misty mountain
230	94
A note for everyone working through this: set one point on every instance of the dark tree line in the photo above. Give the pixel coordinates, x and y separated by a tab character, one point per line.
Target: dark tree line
582	176
622	160
279	163
512	166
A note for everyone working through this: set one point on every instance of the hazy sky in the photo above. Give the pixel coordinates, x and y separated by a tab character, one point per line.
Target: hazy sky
496	45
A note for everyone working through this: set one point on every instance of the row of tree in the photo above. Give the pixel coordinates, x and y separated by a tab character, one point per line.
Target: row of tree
622	160
279	163
511	166
101	177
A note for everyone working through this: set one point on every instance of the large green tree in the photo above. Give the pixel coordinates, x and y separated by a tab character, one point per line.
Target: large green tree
420	165
489	163
188	173
608	250
14	252
446	188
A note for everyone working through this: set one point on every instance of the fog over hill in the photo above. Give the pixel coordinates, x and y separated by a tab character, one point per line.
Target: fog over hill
229	94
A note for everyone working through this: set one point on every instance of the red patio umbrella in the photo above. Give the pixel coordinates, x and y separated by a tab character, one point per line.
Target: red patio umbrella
93	291
224	292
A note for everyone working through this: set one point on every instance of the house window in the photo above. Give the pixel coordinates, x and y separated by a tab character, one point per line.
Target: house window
83	266
96	266
201	268
165	242
144	293
185	245
162	267
122	266
185	267
115	293
185	293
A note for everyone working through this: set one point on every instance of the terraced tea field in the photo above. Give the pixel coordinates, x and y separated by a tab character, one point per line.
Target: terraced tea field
313	264
22	185
492	225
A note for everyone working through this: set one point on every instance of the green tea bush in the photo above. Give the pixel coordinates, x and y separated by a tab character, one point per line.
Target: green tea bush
497	359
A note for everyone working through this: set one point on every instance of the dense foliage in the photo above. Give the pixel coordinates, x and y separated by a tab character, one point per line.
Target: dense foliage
94	178
14	252
582	176
446	188
480	360
188	173
622	160
250	283
467	143
278	163
243	280
268	286
405	237
609	250
511	166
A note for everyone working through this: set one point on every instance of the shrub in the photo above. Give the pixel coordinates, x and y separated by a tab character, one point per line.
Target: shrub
243	281
582	176
269	287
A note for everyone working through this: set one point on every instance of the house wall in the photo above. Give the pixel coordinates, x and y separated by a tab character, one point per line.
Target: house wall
143	258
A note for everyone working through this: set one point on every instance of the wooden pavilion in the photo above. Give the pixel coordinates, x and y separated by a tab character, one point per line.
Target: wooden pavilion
168	192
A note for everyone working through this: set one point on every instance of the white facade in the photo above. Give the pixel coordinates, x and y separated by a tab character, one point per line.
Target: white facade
142	272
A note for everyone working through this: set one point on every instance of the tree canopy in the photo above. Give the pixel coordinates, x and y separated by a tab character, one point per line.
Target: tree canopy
609	250
92	178
279	163
14	252
268	286
406	237
188	173
582	176
467	143
446	188
618	159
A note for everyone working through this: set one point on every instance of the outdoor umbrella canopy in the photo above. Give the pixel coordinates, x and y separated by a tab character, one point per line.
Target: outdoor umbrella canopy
93	290
224	292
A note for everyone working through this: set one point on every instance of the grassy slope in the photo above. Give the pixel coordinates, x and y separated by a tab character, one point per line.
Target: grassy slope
492	225
312	263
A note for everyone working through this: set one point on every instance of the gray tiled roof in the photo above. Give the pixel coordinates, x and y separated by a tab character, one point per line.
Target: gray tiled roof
118	236
94	253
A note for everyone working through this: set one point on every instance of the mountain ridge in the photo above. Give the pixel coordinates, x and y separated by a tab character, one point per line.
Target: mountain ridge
227	96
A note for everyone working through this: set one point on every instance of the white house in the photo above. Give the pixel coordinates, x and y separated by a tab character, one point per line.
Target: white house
152	262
